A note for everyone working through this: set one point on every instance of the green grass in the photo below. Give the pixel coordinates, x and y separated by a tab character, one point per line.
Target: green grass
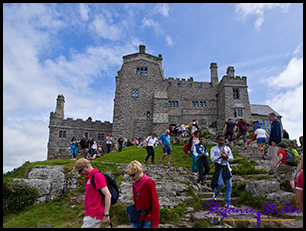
59	213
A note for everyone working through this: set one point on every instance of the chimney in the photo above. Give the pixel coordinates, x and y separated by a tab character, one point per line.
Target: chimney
142	48
60	105
230	71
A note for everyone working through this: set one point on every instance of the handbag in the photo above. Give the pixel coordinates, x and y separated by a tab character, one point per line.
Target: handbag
134	214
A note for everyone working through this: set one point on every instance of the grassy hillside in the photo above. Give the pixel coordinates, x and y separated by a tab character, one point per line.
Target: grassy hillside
60	212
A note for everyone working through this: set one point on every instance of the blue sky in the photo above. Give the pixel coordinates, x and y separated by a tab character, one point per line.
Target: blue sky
77	49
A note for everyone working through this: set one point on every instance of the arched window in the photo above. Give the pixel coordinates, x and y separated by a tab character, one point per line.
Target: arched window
172	103
176	104
141	72
138	71
192	103
201	105
148	114
145	72
136	94
133	93
196	103
169	104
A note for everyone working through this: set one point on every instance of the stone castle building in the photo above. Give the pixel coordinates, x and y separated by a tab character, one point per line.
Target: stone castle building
146	101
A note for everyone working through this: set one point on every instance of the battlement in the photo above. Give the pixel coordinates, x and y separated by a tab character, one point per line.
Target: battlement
234	80
177	82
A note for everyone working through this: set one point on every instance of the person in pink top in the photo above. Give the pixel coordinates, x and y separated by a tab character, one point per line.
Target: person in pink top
96	210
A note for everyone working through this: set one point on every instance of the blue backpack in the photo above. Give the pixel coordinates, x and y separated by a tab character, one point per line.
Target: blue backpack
111	185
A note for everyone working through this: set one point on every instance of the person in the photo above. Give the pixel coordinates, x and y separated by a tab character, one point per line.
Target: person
93	149
114	143
283	167
221	155
201	154
74	148
243	128
120	142
193	126
229	130
183	129
298	168
89	144
108	142
261	136
84	147
285	134
299	191
149	143
192	142
144	195
164	140
96	212
275	137
255	123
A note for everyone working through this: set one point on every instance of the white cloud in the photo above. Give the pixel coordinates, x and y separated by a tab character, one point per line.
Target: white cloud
84	9
169	40
151	23
258	9
162	8
104	28
286	95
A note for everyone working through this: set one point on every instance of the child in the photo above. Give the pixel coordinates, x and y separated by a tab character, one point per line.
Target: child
201	153
284	167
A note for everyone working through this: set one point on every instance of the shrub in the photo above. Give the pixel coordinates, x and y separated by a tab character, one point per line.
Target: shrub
16	198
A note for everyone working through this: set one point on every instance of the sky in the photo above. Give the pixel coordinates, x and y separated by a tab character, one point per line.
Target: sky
76	50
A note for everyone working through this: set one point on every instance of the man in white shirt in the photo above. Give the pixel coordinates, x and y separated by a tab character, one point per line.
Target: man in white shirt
149	143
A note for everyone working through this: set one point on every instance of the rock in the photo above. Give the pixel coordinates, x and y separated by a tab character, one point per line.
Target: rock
212	218
280	196
262	187
50	182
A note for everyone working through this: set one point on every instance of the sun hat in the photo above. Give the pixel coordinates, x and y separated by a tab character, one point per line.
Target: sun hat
79	164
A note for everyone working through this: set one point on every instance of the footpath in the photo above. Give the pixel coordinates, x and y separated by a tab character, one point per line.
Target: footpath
172	188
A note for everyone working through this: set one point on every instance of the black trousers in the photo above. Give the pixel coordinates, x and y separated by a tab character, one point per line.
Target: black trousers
203	163
150	152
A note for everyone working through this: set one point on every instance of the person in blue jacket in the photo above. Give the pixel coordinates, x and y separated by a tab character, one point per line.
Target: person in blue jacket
275	137
201	154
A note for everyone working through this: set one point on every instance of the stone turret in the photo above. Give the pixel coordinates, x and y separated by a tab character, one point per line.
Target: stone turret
214	74
230	71
60	106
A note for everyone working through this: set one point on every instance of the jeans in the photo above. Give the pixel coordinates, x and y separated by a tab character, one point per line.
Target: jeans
203	163
146	224
150	152
195	165
228	187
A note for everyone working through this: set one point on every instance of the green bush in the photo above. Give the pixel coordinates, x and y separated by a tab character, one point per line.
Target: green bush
16	198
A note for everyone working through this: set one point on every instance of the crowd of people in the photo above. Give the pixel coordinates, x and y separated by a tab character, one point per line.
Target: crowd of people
144	190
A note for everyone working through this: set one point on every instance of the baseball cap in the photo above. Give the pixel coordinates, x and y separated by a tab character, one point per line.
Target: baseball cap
79	164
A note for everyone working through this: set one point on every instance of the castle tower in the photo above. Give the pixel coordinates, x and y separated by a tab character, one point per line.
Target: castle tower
134	111
214	74
60	105
230	71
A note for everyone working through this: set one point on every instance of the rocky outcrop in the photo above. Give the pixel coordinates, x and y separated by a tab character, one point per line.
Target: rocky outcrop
262	187
50	182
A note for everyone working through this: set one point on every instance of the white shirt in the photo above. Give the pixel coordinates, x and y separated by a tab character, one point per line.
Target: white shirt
261	133
151	141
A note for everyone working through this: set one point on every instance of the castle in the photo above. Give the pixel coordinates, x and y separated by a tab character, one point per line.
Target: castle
146	101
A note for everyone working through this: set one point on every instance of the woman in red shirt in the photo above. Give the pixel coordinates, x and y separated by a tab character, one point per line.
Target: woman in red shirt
144	195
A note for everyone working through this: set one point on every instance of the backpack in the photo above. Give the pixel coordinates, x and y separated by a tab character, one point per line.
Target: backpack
111	185
134	214
292	157
185	148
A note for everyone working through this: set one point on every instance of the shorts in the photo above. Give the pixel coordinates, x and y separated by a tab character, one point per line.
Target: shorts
89	222
284	168
167	150
231	134
261	140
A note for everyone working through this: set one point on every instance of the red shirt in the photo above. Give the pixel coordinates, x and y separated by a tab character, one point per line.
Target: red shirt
93	198
299	184
147	197
284	153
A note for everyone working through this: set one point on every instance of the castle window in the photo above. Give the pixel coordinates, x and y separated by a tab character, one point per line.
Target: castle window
196	103
100	136
192	103
235	94
62	134
142	71
200	84
148	114
135	94
238	112
201	105
179	83
176	103
204	104
172	103
189	84
86	135
169	83
169	104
